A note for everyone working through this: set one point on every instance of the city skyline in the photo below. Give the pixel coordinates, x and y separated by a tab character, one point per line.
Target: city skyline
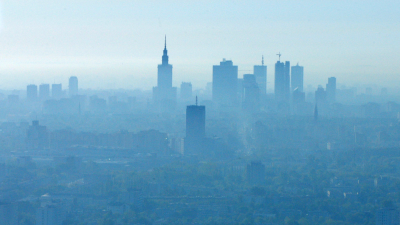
251	113
322	40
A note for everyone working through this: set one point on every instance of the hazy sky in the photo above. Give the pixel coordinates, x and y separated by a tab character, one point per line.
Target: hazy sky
118	44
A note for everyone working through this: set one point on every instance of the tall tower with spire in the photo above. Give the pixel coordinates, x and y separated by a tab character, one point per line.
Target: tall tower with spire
260	72
164	93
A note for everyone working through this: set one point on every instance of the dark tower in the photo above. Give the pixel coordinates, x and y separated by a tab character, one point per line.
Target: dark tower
164	93
282	80
260	72
195	128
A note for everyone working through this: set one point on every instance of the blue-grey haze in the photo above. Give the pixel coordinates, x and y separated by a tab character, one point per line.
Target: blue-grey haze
118	44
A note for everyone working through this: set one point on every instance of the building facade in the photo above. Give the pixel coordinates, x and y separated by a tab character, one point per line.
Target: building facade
225	83
297	78
282	81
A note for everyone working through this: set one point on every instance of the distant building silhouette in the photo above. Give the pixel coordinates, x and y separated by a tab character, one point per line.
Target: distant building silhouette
297	78
31	92
298	96
186	91
320	96
73	86
225	83
44	91
331	90
97	105
251	95
282	81
260	72
299	105
195	128
255	173
56	90
37	136
164	93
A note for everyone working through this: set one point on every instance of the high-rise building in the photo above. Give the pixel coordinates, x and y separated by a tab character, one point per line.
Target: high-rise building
298	97
37	136
73	86
44	91
260	72
225	79
282	81
251	94
56	90
195	121
331	90
320	96
298	102
31	92
164	92
195	128
186	91
297	78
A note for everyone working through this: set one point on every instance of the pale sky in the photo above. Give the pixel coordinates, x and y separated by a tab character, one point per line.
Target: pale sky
118	44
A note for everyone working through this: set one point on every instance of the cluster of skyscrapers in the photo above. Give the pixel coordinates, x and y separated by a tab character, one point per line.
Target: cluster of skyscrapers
230	92
43	93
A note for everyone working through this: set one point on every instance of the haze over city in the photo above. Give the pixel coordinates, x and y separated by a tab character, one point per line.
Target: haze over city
46	41
214	113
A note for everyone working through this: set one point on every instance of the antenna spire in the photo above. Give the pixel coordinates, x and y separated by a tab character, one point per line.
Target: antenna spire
262	61
196	100
279	54
165	44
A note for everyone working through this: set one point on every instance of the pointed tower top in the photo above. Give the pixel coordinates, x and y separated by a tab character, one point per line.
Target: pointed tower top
165	44
165	53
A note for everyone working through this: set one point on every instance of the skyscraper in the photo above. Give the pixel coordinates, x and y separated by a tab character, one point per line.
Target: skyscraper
320	96
186	91
260	72
282	81
251	95
225	78
31	92
164	90
73	86
195	128
331	90
56	90
44	91
297	78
